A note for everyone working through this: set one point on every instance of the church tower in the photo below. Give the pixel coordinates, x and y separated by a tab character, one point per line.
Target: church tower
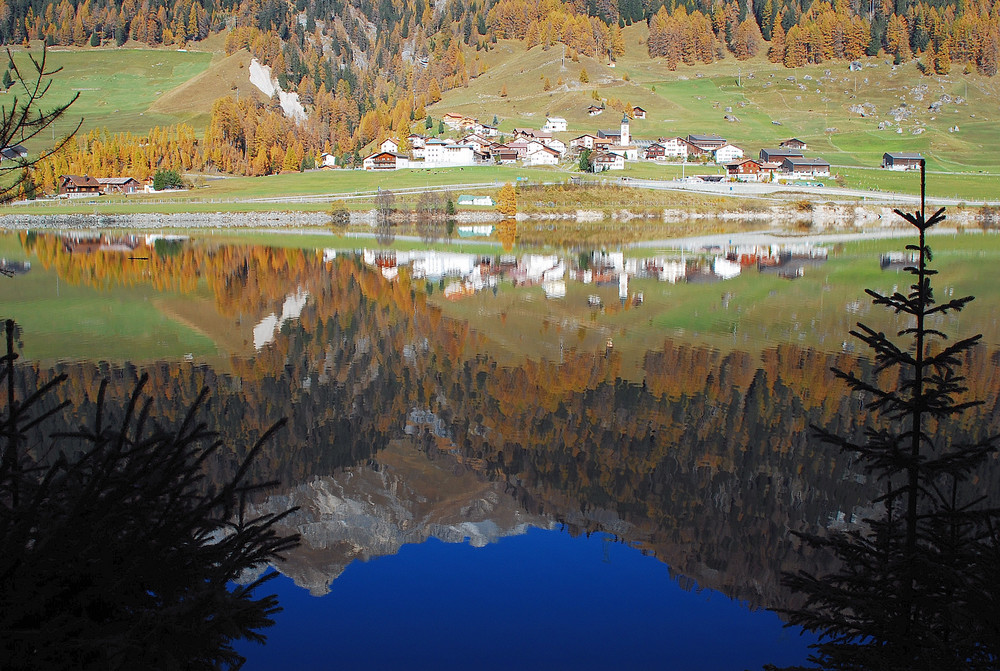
626	137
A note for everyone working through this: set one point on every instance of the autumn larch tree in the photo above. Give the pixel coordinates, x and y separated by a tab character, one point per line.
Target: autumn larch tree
507	200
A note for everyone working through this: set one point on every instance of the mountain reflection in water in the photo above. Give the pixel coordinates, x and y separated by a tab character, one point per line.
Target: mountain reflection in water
413	418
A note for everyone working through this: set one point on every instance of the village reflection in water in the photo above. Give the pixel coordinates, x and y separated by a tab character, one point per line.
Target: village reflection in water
407	422
467	274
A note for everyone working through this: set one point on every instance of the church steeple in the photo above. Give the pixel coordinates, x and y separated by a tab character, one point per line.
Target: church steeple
626	137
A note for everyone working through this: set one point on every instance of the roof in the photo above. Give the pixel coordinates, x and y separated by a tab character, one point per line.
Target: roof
116	181
798	160
905	155
705	138
638	108
386	153
550	150
78	180
13	151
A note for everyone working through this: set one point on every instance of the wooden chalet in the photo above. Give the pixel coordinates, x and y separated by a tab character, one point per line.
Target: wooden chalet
638	113
793	143
744	170
503	154
120	185
779	155
901	161
606	160
655	151
519	146
386	160
796	166
76	185
594	110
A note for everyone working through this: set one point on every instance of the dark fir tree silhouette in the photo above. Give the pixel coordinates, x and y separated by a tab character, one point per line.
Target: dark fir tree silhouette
917	586
115	553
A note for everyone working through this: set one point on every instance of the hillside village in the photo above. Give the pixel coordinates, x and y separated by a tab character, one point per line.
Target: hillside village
604	150
551	145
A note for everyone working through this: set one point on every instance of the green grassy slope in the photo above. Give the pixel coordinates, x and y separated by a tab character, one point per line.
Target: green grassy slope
117	87
694	99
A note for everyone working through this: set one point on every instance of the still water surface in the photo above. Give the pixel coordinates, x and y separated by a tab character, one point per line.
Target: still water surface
542	460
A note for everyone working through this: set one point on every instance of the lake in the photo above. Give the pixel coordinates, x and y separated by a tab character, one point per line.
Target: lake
503	456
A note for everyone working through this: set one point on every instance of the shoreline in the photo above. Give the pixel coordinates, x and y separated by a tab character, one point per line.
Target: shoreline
828	216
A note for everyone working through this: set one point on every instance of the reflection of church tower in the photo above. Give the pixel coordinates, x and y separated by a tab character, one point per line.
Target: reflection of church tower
626	138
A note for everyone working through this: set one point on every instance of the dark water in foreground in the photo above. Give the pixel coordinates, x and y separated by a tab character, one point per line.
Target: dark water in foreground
570	460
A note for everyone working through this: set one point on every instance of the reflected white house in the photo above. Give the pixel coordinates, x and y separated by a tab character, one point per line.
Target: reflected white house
555	289
265	330
725	268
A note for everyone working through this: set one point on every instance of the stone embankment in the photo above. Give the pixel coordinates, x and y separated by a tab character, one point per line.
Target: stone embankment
158	221
818	216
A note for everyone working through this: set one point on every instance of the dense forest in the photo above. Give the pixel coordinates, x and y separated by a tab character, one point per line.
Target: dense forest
365	69
709	458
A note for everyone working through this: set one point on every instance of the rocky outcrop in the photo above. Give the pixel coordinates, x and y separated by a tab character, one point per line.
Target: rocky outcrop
366	512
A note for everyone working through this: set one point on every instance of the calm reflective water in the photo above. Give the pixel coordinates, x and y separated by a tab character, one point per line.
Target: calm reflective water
505	458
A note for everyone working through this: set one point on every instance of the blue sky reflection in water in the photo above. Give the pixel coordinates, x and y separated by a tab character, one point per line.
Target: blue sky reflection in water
543	600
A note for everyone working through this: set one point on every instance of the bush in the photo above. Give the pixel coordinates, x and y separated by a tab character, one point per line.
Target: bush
167	179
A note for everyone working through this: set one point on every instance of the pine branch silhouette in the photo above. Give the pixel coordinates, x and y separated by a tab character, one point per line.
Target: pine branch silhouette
116	553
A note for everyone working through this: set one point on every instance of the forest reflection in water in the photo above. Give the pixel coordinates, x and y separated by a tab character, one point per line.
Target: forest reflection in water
414	416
